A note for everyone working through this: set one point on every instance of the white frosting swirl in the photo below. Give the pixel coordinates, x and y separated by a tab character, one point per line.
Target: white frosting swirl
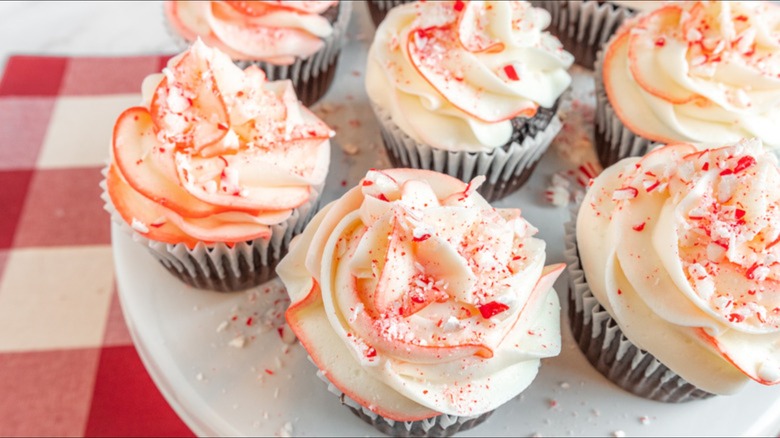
681	247
418	298
698	71
453	73
216	153
272	31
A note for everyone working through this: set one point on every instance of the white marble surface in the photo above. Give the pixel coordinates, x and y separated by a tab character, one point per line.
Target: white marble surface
82	28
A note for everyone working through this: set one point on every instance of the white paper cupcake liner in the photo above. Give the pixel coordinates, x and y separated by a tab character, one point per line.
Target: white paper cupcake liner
379	8
219	266
614	141
439	426
312	76
584	26
505	168
607	348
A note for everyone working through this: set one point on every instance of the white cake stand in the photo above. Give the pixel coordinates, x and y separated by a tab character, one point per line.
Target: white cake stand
226	377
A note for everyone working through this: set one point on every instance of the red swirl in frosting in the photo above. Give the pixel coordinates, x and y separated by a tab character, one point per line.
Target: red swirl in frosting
694	71
428	292
273	31
453	74
685	256
217	154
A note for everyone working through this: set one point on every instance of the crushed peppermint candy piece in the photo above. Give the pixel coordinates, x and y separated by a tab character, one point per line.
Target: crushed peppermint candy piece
624	193
237	342
557	195
139	226
285	431
349	148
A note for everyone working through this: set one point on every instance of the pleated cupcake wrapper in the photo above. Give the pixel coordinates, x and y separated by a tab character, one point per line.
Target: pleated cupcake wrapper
311	77
607	348
584	26
614	141
379	8
219	266
439	426
505	168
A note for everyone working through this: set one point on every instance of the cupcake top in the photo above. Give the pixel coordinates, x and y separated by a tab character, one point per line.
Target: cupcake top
272	31
453	74
417	298
215	153
681	248
697	71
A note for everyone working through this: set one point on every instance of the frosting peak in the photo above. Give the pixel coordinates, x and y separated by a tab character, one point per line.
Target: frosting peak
688	261
693	71
273	31
216	154
428	292
467	67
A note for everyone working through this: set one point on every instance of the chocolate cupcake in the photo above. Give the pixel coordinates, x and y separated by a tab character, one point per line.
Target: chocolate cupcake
468	89
423	308
673	273
698	72
299	41
217	170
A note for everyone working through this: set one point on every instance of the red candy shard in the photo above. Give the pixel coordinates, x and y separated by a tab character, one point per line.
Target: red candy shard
491	309
424	237
744	163
511	73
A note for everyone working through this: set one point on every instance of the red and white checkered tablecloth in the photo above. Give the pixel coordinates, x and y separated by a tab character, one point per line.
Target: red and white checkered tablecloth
67	363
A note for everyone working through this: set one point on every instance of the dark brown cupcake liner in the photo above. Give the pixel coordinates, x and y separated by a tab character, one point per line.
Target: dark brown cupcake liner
379	8
506	168
311	77
584	26
219	266
250	267
606	347
439	426
613	140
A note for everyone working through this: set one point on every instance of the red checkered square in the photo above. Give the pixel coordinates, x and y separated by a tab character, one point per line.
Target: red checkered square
96	76
23	123
32	76
116	327
46	393
64	208
126	402
15	184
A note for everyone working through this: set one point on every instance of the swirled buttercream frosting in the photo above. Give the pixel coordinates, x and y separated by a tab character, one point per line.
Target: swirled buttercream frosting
215	153
698	71
417	298
272	31
454	74
682	247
